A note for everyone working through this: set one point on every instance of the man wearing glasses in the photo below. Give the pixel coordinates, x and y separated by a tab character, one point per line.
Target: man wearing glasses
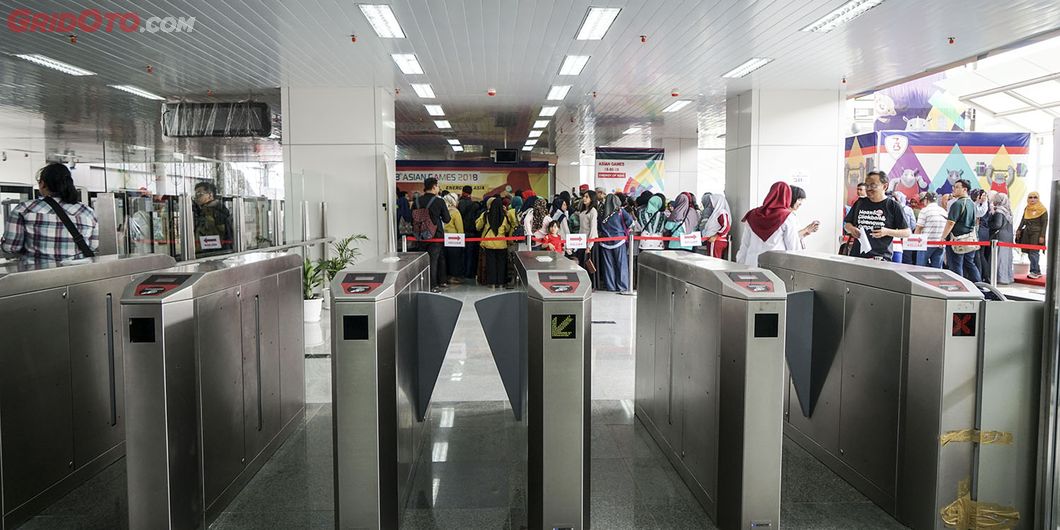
880	218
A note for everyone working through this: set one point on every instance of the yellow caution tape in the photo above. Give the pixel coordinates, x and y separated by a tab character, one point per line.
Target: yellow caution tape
976	436
966	514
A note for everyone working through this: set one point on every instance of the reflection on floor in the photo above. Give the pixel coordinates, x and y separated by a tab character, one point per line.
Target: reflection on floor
474	470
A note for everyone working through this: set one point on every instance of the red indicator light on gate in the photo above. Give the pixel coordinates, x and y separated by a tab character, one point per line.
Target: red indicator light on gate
963	325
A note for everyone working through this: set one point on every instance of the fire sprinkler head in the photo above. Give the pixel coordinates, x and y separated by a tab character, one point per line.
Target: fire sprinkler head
491	92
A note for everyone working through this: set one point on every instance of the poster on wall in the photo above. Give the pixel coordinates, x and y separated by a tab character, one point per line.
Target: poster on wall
630	170
485	178
918	161
919	105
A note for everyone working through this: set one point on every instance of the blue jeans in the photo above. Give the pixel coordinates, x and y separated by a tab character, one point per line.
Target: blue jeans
1035	266
932	257
963	264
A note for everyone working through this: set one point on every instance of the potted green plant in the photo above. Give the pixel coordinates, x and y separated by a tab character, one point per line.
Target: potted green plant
312	302
346	254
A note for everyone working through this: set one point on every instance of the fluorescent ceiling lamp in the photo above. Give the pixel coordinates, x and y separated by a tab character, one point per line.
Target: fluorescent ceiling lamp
54	65
458	148
677	105
558	92
631	130
423	90
573	64
573	163
540	124
535	134
453	141
750	66
443	124
407	63
203	158
382	19
548	111
597	21
137	91
528	148
842	14
434	110
531	142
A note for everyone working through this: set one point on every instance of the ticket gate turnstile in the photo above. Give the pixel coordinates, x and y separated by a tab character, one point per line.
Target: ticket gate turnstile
709	379
389	338
547	378
62	403
214	382
912	388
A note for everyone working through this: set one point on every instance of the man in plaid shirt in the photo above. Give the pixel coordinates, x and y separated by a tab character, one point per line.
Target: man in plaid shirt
32	229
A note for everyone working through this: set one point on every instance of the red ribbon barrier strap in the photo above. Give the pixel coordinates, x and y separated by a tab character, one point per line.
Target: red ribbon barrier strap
1020	246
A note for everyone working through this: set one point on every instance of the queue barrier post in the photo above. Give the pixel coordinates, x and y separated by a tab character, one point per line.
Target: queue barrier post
629	259
993	262
529	242
404	244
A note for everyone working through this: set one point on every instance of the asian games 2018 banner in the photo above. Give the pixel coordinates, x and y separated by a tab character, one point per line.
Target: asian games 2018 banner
918	161
485	178
629	170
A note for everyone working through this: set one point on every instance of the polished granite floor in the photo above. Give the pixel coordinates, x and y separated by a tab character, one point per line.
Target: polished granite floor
474	466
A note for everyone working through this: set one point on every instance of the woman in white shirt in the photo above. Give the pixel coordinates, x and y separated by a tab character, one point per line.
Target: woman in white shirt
769	227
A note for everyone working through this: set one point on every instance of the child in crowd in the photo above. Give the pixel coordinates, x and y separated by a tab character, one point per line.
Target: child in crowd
553	240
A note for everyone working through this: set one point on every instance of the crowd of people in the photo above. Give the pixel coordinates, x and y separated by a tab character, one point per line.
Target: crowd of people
516	214
873	227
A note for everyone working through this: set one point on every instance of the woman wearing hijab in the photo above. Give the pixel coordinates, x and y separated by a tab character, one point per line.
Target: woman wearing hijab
559	213
651	219
683	219
535	219
1032	231
715	223
615	221
1000	223
769	227
495	222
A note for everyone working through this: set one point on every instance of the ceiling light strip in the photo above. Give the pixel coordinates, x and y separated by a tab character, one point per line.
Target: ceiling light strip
423	90
573	64
548	111
596	23
408	63
747	67
383	21
136	91
841	15
558	92
677	105
48	62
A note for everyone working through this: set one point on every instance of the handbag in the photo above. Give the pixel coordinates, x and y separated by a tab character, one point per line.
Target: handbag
79	239
965	238
590	267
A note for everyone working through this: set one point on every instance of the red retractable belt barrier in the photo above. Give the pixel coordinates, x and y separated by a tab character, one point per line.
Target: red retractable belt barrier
592	240
1020	246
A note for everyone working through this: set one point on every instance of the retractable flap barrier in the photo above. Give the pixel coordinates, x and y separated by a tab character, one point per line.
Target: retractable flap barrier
806	376
437	315
500	315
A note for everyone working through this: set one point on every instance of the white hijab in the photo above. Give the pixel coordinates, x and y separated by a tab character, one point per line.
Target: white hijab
712	226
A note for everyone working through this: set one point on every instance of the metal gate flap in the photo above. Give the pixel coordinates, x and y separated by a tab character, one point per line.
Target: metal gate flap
436	315
807	376
503	319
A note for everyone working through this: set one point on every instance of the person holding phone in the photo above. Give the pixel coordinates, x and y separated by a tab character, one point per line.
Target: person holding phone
881	218
798	196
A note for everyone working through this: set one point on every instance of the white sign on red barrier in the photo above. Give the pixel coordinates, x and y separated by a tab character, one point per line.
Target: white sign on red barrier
454	240
694	239
576	241
915	242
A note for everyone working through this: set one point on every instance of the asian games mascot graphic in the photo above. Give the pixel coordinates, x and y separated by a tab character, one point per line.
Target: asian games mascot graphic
911	183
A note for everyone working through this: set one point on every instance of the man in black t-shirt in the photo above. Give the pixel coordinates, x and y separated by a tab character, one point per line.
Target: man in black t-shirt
439	213
880	217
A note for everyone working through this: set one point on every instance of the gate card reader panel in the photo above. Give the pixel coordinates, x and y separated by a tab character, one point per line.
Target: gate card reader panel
159	284
716	275
753	281
378	278
550	276
362	283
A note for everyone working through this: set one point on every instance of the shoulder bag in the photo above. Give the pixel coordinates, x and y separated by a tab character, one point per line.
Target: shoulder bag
79	239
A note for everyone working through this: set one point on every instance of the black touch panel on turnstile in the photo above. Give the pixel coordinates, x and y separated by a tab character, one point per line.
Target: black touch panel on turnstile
559	282
754	281
157	284
362	282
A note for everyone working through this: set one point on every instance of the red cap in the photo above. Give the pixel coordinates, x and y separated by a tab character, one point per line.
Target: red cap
583	187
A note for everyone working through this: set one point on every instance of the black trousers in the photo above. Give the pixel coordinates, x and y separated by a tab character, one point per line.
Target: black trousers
438	274
496	266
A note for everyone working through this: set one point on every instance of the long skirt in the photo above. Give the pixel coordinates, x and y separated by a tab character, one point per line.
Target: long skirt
496	265
613	267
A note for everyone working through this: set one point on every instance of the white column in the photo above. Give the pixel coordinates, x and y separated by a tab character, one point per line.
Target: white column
339	148
681	160
794	136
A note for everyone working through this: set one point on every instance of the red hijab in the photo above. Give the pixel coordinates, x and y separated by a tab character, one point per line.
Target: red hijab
766	219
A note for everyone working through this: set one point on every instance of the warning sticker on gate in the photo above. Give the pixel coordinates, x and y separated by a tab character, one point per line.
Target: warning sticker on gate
563	326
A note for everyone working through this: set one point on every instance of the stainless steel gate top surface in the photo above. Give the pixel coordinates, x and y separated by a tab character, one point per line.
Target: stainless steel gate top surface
896	277
378	278
549	276
185	282
723	277
20	276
